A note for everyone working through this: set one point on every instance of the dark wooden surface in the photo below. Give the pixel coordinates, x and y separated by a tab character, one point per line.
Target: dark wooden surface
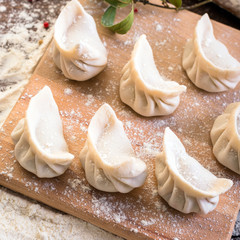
215	12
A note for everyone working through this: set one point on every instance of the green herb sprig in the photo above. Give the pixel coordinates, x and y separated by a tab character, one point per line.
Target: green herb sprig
125	25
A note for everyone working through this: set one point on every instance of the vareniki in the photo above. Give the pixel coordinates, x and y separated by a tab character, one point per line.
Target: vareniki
40	146
207	61
226	138
143	88
183	182
77	48
108	159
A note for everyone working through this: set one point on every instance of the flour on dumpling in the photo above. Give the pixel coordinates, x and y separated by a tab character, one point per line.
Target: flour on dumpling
207	61
77	48
143	88
108	159
40	146
183	182
226	138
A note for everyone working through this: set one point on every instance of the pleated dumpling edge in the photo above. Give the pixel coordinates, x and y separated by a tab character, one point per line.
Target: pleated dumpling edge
226	138
208	62
77	48
183	182
40	146
143	88
108	159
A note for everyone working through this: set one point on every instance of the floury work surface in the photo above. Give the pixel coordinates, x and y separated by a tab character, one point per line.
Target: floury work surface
141	213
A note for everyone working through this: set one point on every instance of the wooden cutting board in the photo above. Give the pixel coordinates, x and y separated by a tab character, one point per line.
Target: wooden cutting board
140	214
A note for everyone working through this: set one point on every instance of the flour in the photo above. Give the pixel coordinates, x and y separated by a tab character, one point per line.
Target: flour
159	27
24	219
23	39
68	91
3	8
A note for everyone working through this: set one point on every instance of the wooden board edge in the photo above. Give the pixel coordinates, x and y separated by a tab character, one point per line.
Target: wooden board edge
116	229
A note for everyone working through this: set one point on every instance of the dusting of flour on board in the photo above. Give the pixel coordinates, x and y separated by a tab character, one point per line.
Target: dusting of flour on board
149	211
23	40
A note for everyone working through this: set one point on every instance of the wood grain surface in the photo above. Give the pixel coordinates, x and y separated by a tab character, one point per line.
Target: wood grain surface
140	214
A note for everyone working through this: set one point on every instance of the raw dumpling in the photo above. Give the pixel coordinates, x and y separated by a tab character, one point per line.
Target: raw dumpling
77	48
143	88
207	61
40	146
108	159
183	182
226	139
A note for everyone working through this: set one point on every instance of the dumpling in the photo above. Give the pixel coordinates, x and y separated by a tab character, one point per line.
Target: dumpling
207	61
77	48
183	182
225	137
143	88
108	159
40	146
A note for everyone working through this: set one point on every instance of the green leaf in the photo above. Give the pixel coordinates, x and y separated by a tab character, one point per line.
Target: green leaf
121	27
116	3
176	3
125	1
109	16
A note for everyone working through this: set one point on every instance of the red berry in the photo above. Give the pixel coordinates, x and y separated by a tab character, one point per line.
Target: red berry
30	1
46	25
135	10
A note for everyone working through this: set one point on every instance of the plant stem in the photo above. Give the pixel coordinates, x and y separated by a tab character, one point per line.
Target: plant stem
196	5
146	2
165	4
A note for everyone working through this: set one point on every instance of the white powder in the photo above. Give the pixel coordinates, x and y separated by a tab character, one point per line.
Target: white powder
90	100
127	42
20	50
79	183
21	218
68	91
83	128
151	221
3	8
177	20
161	43
159	27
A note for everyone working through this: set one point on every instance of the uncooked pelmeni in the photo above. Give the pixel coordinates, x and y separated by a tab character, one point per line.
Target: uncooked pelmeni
40	146
108	159
207	61
77	48
183	182
143	88
225	135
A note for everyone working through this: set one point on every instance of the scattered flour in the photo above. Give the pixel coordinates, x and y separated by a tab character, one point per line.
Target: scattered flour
159	27
21	218
68	91
23	39
24	219
128	42
90	100
3	8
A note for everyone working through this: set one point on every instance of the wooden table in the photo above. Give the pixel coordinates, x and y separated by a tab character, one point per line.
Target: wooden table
39	5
